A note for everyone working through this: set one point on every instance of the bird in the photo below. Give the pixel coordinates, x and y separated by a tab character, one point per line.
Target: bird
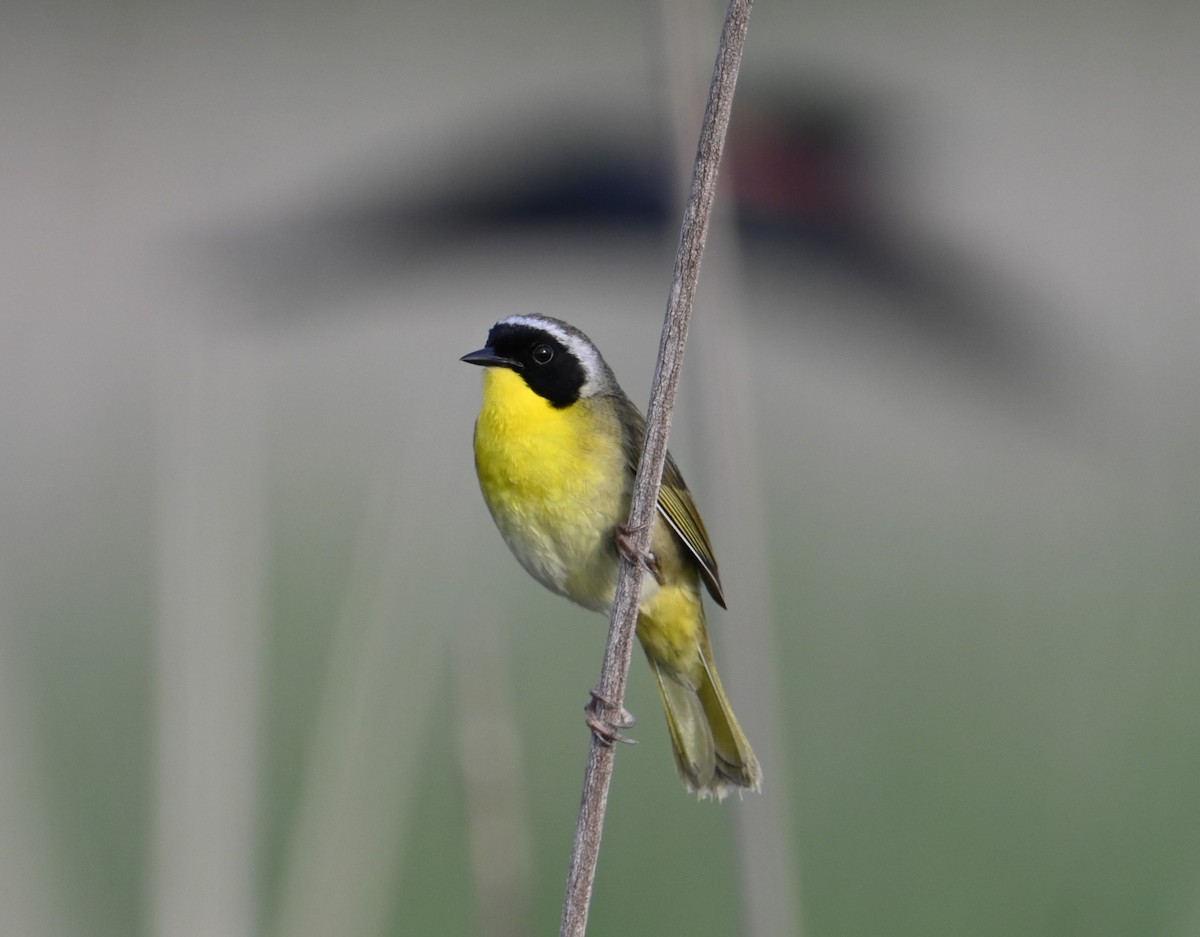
557	444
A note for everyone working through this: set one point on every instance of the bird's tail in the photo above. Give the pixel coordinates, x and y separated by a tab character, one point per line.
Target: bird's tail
712	754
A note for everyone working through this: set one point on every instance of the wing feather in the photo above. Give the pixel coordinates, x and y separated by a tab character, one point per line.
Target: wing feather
675	503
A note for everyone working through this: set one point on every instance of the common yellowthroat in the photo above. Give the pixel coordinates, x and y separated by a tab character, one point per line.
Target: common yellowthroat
557	445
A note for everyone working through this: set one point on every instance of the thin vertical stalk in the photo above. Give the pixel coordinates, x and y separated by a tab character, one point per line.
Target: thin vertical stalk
611	689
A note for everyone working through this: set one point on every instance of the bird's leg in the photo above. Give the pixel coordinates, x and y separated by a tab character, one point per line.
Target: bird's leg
608	732
623	537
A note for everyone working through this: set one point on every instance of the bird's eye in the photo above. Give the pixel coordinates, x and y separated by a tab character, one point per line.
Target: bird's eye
542	354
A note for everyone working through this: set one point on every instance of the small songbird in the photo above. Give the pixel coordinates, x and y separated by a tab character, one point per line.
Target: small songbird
557	446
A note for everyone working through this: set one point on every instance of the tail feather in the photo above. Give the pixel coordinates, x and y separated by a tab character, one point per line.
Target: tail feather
712	754
736	761
691	739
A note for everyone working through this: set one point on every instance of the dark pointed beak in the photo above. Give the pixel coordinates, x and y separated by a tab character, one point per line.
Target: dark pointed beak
487	358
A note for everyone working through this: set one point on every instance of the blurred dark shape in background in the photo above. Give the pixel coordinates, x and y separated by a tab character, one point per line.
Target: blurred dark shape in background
804	180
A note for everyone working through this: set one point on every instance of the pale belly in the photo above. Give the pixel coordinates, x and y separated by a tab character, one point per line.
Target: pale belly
581	567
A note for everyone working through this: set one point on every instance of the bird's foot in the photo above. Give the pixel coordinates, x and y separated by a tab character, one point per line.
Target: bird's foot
607	731
623	537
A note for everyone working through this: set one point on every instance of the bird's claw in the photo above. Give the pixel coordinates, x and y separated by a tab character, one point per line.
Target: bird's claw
606	731
623	536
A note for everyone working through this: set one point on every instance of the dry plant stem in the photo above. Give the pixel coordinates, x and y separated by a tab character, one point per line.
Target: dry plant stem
611	690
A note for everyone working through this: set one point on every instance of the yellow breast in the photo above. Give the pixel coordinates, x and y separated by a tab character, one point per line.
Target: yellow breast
556	483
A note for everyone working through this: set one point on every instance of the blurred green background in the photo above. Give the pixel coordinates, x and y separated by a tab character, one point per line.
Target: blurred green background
267	668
